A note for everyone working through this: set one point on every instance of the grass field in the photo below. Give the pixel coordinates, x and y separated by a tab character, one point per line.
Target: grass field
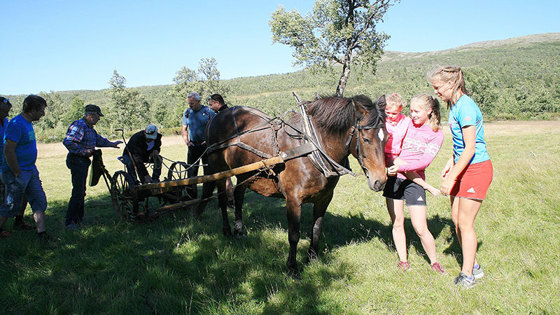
179	265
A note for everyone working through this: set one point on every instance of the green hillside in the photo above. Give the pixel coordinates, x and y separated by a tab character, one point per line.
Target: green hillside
517	78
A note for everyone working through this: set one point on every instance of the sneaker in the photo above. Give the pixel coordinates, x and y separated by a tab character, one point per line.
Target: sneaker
403	265
477	272
464	281
23	227
437	268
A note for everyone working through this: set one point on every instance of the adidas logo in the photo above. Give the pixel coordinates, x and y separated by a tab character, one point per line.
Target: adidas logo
471	190
420	199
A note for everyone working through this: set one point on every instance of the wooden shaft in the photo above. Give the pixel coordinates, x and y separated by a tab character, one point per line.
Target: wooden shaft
214	177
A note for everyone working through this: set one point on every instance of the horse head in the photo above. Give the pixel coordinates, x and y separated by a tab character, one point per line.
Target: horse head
367	140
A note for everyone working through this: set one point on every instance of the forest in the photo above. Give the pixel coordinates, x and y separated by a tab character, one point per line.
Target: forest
514	79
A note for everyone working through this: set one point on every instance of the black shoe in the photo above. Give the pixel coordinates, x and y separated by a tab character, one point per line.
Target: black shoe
23	226
44	237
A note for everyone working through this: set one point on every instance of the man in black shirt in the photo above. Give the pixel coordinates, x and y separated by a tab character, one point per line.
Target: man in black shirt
143	147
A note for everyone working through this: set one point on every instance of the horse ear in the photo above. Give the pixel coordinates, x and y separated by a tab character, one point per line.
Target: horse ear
359	106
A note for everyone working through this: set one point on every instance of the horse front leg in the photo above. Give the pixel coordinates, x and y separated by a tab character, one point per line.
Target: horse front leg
222	202
239	196
293	211
319	209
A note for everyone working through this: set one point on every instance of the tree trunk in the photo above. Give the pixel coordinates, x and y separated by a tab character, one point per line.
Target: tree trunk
343	77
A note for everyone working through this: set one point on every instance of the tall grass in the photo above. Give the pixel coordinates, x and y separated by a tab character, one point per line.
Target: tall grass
176	264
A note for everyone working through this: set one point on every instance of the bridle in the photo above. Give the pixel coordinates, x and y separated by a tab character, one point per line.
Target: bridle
358	129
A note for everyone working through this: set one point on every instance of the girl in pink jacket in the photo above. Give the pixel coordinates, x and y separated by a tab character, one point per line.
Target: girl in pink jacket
397	125
420	145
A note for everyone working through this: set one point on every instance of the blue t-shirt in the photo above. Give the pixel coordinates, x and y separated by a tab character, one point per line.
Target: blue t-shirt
197	121
21	132
2	128
466	113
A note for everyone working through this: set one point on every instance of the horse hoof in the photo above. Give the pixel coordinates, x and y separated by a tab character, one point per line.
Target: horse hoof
294	273
227	232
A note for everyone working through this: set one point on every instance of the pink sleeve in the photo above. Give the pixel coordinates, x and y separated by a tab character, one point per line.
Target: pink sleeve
430	153
397	132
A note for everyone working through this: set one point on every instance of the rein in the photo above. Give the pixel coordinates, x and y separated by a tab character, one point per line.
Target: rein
357	129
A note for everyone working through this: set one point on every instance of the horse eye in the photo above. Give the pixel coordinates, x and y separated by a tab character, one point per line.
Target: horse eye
366	140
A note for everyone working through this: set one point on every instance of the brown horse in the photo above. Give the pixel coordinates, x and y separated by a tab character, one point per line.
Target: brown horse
241	135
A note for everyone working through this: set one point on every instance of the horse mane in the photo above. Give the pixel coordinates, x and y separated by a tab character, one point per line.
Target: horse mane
335	114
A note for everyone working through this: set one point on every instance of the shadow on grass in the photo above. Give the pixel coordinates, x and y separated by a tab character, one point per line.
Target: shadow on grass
177	264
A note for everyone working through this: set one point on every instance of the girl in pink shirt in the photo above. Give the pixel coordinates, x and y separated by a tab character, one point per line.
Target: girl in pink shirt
397	125
420	145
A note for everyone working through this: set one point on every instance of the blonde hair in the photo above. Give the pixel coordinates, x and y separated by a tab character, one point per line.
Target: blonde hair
394	100
428	101
452	75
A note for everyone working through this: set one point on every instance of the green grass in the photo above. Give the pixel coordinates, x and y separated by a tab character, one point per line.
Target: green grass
176	264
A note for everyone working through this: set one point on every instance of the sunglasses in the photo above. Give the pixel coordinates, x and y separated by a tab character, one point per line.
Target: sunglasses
6	100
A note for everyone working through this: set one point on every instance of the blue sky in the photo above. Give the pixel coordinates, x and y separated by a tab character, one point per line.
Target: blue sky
63	45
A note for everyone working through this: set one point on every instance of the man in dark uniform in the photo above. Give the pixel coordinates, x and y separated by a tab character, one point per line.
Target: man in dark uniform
143	147
216	103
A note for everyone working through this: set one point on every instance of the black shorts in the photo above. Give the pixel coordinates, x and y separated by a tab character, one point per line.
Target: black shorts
405	189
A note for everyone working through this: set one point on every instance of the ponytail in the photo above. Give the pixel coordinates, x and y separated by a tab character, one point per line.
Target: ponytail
453	76
435	116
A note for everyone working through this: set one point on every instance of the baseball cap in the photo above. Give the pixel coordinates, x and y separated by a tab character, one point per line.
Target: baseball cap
90	108
5	100
151	132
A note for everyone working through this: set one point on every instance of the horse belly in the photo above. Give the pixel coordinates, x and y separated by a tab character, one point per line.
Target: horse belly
266	187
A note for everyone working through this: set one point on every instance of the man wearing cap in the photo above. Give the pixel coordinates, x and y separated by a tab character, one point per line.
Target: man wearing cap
81	140
195	119
143	147
19	172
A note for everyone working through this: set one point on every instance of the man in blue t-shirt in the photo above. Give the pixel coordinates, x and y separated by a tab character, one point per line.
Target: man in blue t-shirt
19	224
19	173
195	120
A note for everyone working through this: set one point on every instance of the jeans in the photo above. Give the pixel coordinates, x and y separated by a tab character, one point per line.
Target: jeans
78	166
155	159
26	185
193	154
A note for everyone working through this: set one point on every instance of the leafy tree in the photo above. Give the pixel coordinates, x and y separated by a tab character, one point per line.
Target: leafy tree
208	71
76	111
129	109
337	32
55	110
483	89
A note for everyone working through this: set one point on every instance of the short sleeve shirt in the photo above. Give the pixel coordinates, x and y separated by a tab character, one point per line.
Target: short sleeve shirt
2	128
196	121
466	113
21	132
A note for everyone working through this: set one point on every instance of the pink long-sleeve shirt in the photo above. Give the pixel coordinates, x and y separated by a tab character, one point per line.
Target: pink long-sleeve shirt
396	130
419	148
